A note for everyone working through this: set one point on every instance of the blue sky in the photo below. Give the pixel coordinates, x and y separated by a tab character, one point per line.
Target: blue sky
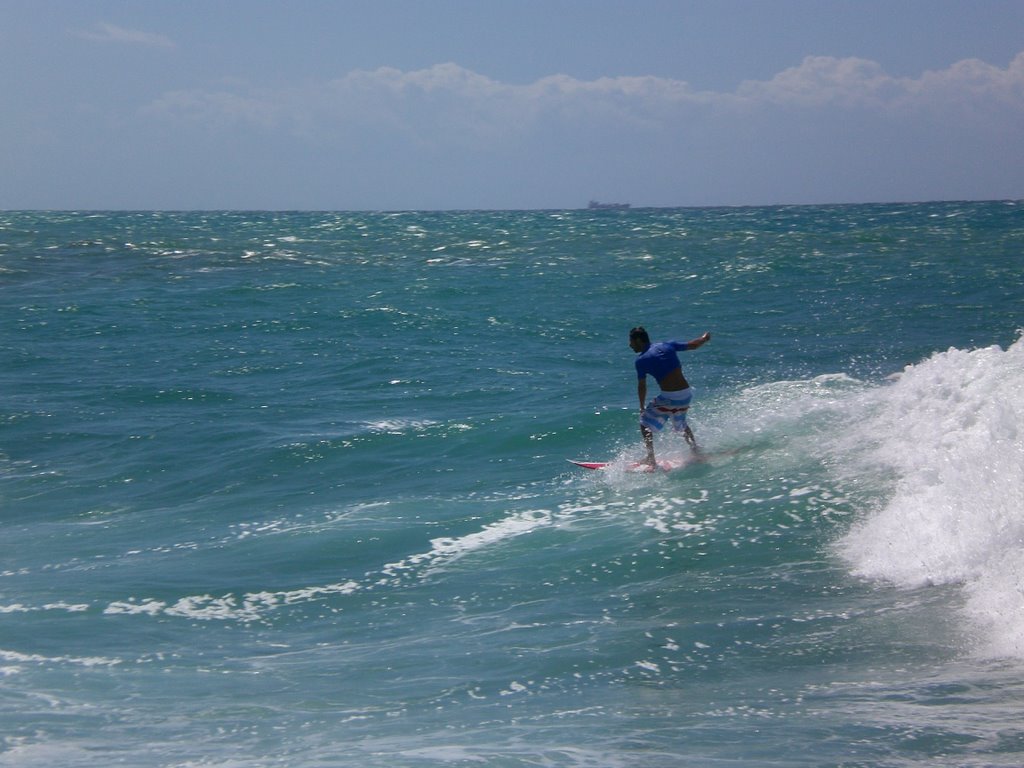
439	104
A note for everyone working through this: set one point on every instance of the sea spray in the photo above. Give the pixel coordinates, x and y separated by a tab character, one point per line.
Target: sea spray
950	430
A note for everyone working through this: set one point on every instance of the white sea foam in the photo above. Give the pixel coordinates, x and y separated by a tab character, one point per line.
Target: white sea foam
446	550
949	433
255	606
35	658
399	426
58	606
252	606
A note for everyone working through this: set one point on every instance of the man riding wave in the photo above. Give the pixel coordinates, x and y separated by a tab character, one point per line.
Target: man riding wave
661	361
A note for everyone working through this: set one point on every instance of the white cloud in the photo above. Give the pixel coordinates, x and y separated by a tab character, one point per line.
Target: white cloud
859	83
443	104
453	98
830	129
822	80
104	32
977	83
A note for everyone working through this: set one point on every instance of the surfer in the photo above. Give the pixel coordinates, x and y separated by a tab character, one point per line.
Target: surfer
660	361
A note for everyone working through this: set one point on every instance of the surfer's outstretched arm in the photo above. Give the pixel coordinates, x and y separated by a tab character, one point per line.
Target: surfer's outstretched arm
699	342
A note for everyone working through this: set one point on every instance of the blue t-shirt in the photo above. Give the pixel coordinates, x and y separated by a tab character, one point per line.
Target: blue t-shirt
660	359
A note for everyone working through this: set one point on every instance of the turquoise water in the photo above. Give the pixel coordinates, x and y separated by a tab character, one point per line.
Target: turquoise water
290	489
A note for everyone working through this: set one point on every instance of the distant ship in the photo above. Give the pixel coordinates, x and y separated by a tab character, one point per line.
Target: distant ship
596	206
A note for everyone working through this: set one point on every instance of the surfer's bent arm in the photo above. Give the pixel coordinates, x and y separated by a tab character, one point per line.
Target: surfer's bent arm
699	342
641	391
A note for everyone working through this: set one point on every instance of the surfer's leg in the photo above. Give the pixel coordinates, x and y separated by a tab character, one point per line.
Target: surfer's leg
688	434
648	444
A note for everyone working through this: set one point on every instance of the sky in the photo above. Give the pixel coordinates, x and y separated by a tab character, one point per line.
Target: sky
507	104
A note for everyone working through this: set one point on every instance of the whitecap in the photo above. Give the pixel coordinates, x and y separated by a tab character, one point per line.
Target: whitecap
948	435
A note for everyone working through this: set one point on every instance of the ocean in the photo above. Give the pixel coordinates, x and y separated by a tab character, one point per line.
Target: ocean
291	489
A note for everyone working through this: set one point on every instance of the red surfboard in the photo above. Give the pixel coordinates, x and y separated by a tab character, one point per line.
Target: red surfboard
665	465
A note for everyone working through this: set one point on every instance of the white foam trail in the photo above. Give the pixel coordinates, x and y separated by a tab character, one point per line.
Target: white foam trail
35	658
58	606
950	432
446	550
399	426
254	606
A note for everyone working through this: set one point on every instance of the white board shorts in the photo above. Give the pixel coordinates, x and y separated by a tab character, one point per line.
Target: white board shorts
668	407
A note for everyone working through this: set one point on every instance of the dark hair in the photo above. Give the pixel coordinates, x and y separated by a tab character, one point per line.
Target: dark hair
640	333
